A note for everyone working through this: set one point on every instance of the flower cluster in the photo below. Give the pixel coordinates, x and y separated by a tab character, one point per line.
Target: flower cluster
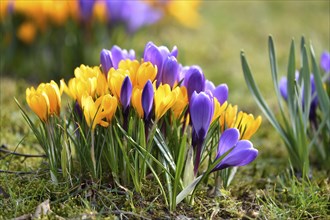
132	14
304	125
149	112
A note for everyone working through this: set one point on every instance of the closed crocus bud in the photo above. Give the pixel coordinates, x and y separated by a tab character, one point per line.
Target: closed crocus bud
154	55
118	54
147	100
38	102
283	87
201	109
242	152
194	80
170	71
126	93
106	61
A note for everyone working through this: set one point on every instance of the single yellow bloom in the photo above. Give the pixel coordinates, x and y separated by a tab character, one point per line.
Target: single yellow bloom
228	117
39	103
26	32
132	67
136	100
247	125
164	99
185	12
102	84
181	101
100	11
218	109
54	96
145	72
95	112
115	80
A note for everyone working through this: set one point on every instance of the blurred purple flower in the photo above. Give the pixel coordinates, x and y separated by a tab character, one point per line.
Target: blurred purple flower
125	94
283	86
147	100
194	80
133	14
242	153
325	61
86	9
164	60
111	58
220	92
201	109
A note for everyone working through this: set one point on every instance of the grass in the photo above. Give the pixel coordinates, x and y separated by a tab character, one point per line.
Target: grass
263	190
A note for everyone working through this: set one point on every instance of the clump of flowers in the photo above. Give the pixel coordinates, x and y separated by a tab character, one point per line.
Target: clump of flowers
57	28
304	125
131	118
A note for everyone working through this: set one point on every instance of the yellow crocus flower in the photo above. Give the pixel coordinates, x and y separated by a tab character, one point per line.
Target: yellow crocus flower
136	101
39	103
132	67
181	101
115	80
164	99
228	117
247	125
145	72
96	112
218	109
54	96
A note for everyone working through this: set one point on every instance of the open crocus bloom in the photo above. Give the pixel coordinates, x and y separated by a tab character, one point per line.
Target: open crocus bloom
242	153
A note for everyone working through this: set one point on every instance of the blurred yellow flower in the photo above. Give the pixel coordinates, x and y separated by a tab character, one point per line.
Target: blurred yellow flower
27	32
185	12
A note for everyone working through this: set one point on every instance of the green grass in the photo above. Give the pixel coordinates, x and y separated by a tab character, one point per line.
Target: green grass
261	190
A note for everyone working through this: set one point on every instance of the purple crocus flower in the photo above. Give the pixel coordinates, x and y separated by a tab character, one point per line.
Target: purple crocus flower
170	71
201	109
147	100
242	153
125	94
283	86
86	9
325	61
161	56
220	92
133	14
194	80
111	58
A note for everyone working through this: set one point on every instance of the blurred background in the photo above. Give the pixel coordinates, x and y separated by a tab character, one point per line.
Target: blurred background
44	40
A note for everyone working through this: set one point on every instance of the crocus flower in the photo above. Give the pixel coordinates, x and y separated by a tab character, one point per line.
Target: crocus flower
201	109
242	152
86	9
161	56
283	86
134	14
125	94
181	102
325	61
247	124
111	58
164	99
194	80
147	100
147	71
170	71
136	101
99	112
220	92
